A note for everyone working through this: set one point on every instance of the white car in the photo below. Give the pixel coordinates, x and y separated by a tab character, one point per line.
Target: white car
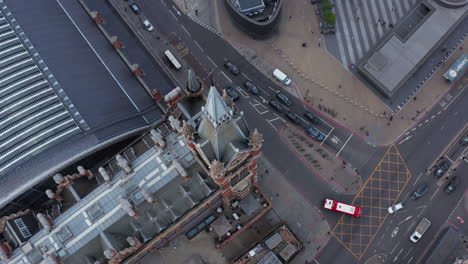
396	207
148	25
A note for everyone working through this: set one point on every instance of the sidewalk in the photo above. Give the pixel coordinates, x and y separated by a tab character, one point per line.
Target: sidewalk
295	210
332	88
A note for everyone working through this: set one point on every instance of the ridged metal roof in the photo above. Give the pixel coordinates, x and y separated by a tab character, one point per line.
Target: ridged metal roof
32	117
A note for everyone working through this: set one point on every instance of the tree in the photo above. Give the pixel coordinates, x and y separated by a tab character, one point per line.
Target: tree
329	17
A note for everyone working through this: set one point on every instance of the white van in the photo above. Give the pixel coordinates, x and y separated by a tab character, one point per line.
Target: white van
172	59
281	77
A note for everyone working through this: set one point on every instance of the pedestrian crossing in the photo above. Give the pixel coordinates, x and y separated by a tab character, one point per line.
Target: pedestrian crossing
361	24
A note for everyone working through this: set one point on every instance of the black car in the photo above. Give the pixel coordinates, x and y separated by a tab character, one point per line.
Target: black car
135	8
293	117
452	185
231	92
441	169
231	68
420	192
276	105
313	118
283	98
251	87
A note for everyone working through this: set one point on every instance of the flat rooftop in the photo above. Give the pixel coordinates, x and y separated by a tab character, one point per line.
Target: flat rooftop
405	49
90	84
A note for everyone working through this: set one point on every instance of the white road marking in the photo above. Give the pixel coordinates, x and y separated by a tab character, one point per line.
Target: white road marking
432	197
449	159
263	99
264	91
423	208
188	33
212	61
327	136
344	145
395	247
177	11
173	15
408	137
260	113
417	179
272	89
243	74
224	74
163	3
97	55
279	117
410	260
453	100
406	219
316	261
396	258
242	92
407	253
198	45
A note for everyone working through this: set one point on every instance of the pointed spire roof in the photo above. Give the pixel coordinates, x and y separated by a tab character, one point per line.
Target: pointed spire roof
193	85
216	109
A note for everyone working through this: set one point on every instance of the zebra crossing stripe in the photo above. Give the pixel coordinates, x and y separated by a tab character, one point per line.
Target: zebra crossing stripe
369	22
363	30
391	8
345	31
377	15
399	9
355	35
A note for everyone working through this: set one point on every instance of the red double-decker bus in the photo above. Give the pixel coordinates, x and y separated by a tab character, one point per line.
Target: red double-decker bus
342	208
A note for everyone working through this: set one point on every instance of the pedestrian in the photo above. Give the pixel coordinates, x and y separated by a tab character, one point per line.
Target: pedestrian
390	25
196	12
378	20
290	17
319	44
357	18
339	85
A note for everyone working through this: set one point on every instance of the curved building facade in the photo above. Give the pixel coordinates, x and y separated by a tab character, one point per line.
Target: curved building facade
259	21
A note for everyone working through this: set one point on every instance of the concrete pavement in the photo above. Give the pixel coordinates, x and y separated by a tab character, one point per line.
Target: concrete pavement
355	105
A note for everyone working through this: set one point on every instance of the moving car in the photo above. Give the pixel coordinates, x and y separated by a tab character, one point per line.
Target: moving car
251	87
420	192
293	117
231	92
342	208
231	68
313	118
283	98
420	230
452	185
395	208
441	169
276	105
135	8
282	77
148	25
315	133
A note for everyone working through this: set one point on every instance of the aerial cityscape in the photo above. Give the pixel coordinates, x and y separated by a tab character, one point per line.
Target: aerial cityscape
233	131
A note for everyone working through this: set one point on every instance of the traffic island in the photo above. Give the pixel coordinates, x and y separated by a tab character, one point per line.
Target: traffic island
332	170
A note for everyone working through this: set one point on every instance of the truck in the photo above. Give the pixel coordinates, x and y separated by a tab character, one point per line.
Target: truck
420	230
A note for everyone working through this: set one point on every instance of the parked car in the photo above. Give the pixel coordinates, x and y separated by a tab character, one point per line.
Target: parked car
452	185
148	25
283	98
396	207
464	140
276	105
418	193
231	68
442	168
313	118
315	133
231	92
135	8
282	77
293	117
251	87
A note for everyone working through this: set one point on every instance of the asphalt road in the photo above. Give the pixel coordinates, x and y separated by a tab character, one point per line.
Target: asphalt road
211	51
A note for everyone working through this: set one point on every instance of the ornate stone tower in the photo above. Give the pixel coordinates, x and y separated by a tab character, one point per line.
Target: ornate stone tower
224	146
